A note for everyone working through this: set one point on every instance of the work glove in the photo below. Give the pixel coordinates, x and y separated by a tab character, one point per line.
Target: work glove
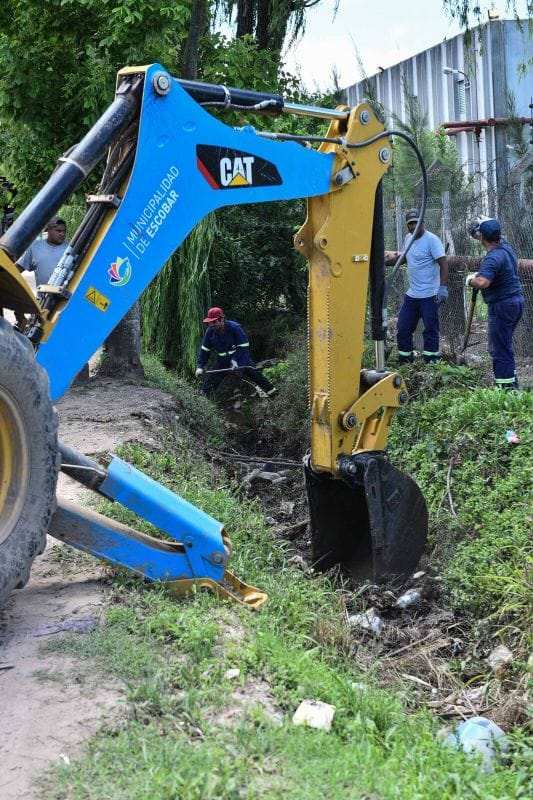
442	294
469	278
199	371
234	364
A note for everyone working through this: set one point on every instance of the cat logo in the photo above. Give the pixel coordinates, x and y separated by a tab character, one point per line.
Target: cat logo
237	171
225	168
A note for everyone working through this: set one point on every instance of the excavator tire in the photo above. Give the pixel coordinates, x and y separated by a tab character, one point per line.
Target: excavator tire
29	459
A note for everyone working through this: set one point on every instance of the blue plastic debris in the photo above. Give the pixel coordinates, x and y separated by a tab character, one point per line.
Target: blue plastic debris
480	736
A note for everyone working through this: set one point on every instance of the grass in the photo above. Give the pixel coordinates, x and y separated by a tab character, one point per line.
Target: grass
173	656
196	413
477	485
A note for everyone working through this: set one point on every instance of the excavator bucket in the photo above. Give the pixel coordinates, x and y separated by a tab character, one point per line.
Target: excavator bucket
371	519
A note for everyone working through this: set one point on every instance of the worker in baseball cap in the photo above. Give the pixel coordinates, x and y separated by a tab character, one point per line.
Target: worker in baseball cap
427	269
473	227
502	291
227	341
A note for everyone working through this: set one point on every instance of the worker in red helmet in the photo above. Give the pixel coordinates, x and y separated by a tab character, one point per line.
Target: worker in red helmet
228	342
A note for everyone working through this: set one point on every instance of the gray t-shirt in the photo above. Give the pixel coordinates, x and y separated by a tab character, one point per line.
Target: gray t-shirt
42	258
422	266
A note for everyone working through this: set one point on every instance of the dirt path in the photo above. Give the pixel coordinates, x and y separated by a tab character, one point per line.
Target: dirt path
47	711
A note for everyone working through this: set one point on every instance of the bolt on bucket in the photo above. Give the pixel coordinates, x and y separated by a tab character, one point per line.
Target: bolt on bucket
370	519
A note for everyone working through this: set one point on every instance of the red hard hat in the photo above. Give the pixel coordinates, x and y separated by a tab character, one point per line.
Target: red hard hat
213	314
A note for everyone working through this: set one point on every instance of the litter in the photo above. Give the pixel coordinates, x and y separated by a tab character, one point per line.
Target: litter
481	736
368	621
314	714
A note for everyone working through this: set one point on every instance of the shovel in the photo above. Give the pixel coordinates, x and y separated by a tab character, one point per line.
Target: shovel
228	369
471	309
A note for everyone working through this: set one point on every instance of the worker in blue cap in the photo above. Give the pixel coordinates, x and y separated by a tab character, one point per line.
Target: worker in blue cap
498	280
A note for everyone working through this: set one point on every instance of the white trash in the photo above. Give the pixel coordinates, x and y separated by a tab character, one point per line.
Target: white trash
499	659
314	714
481	736
232	674
409	598
368	621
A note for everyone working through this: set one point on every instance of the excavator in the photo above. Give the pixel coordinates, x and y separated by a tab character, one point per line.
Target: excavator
166	161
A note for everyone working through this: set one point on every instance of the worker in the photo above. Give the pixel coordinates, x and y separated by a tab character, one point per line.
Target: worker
427	268
502	291
228	341
43	255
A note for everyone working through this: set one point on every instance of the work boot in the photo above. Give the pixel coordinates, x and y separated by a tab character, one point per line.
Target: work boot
406	358
507	385
431	358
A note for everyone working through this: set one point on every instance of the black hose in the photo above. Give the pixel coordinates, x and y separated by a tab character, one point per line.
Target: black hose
421	214
377	270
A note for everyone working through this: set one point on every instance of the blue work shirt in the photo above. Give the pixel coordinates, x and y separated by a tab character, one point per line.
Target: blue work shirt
500	267
229	344
422	266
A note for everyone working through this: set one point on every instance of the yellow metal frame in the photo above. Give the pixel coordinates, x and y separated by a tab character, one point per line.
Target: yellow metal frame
14	290
230	588
336	239
14	463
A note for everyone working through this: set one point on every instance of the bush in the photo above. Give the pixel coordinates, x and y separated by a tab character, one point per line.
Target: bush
196	413
476	484
284	423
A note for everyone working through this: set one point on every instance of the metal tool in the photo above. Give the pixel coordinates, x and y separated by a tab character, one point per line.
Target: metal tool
469	319
228	369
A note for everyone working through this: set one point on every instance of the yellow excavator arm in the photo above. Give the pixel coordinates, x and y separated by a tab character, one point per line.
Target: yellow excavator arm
346	415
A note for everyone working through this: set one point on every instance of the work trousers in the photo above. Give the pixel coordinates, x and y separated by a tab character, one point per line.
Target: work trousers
412	310
213	381
504	316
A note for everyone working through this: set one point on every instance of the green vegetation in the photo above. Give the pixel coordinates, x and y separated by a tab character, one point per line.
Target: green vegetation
451	439
477	485
196	415
192	735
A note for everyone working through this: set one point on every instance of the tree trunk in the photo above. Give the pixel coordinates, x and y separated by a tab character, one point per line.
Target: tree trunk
122	348
197	28
245	18
264	13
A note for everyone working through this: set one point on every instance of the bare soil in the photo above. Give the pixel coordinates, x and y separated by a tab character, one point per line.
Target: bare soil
48	707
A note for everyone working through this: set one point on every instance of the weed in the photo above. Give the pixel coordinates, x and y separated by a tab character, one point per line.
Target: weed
196	413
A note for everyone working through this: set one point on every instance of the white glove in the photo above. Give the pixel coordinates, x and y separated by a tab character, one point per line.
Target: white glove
199	371
234	364
469	278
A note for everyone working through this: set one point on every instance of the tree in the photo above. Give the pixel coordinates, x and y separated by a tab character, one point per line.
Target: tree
471	11
198	27
122	348
269	21
58	62
439	153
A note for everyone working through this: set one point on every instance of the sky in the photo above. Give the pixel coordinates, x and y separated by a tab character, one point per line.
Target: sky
382	31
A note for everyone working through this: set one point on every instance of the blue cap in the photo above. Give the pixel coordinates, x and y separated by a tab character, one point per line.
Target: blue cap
490	229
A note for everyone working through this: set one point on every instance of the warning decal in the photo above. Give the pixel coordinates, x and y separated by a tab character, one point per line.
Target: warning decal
98	299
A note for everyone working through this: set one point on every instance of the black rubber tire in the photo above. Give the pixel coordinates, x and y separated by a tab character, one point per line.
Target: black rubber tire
26	383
